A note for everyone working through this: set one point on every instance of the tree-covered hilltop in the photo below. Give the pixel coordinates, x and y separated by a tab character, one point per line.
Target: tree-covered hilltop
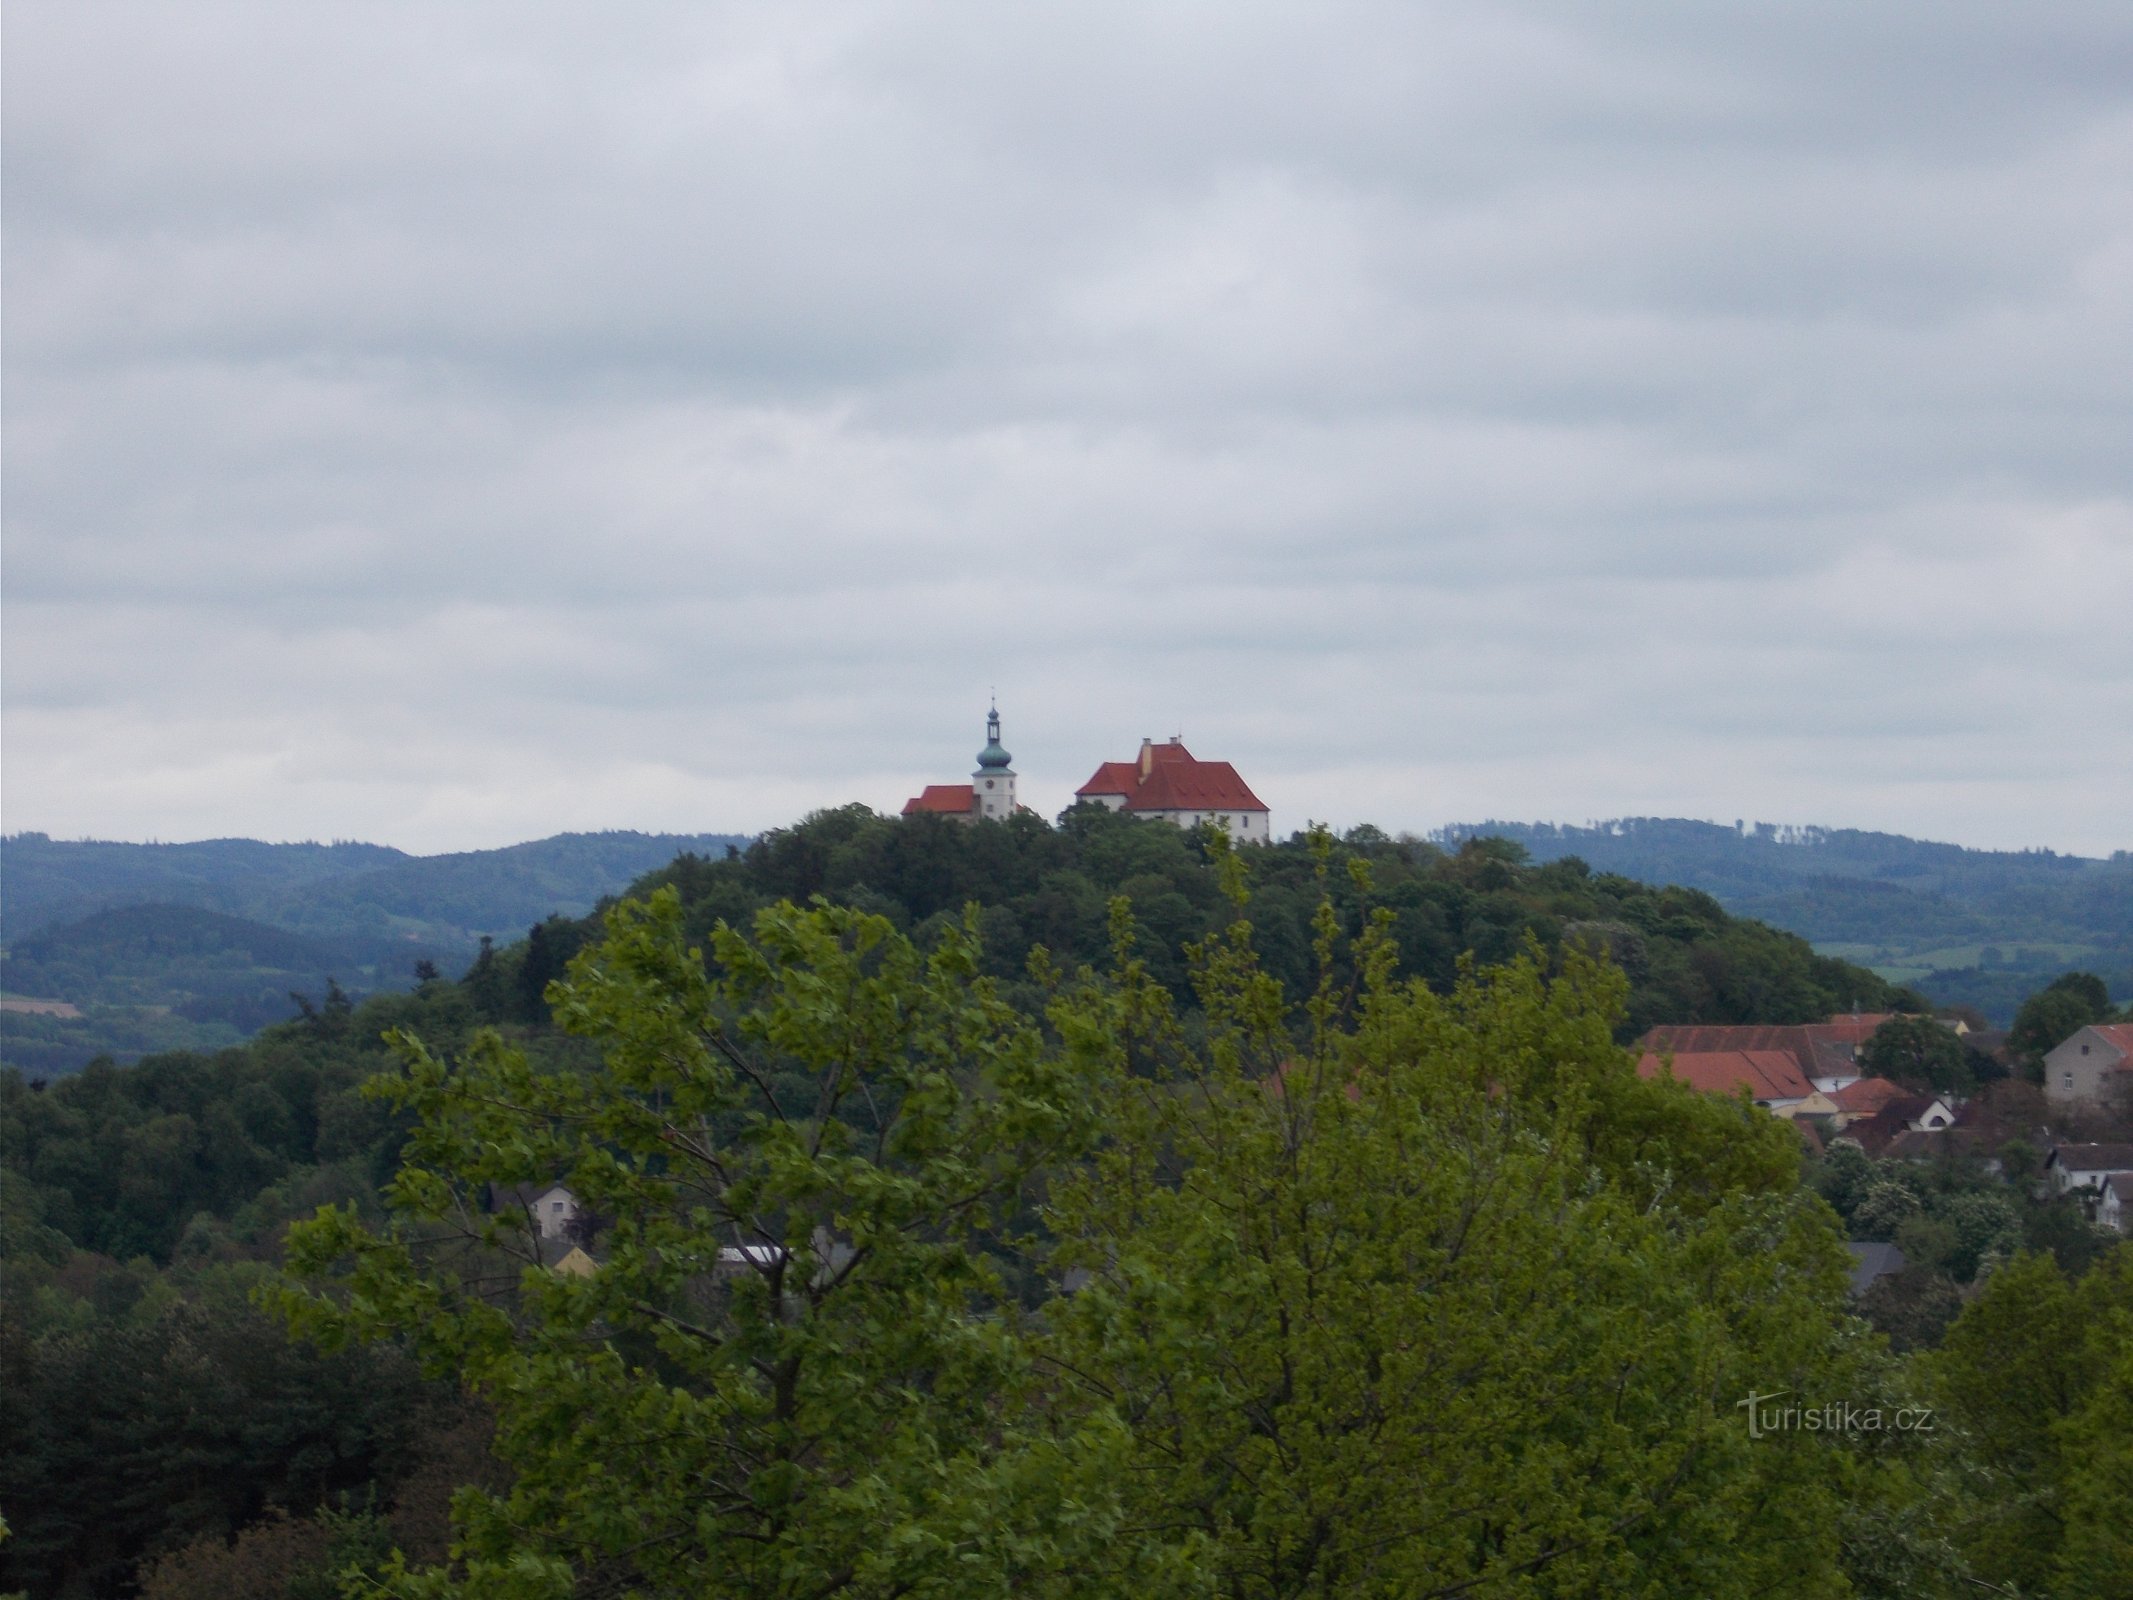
1687	959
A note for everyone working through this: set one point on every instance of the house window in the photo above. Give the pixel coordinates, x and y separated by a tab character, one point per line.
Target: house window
2067	1082
2084	1049
556	1206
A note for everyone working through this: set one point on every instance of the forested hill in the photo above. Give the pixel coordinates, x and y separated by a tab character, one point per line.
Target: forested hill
1978	927
1686	957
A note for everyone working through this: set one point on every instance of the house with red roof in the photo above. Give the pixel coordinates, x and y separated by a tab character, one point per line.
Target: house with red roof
990	794
1772	1078
1170	782
2089	1065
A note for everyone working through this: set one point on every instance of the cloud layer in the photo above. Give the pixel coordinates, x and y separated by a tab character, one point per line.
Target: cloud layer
452	425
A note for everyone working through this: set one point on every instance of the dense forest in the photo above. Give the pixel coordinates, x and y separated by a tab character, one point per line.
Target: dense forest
1970	927
166	1437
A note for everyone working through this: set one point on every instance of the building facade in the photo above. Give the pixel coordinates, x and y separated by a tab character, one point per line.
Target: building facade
1170	782
2090	1063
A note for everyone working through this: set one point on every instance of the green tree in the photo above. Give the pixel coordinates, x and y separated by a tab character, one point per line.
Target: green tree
2029	1375
1445	1299
1919	1053
2069	1003
797	1370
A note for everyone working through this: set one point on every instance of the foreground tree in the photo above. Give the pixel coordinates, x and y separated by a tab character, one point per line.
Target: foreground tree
2037	1376
1448	1301
797	1370
1405	1296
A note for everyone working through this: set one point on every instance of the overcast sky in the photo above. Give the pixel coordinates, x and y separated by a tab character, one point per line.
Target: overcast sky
447	425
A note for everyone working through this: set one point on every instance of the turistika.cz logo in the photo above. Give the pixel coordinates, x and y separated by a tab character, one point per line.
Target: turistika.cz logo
1834	1416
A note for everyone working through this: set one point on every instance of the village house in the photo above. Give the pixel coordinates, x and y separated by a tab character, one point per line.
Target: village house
1911	1114
1826	1053
2086	1166
1772	1077
2114	1205
1170	782
2086	1066
550	1208
1861	1098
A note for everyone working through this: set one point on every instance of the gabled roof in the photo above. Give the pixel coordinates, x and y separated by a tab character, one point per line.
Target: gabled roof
1175	780
945	799
1871	1261
1868	1095
1194	786
1849	1027
2092	1157
1113	777
1767	1074
2118	1035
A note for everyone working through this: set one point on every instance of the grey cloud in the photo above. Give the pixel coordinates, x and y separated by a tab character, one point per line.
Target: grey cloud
450	424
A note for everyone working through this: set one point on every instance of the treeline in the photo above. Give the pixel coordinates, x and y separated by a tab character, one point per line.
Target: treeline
1687	960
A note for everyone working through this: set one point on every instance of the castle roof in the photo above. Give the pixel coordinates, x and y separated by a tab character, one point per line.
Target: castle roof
1169	777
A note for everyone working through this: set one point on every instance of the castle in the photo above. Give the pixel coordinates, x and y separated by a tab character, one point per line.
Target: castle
1166	780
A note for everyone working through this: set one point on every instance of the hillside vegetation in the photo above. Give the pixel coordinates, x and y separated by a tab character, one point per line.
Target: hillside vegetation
169	1440
1970	927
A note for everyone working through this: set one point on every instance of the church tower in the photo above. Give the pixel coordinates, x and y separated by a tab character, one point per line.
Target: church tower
992	786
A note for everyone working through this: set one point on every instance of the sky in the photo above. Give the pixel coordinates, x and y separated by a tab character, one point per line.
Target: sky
453	425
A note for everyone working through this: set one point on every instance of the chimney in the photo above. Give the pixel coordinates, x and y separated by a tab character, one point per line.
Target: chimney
1147	758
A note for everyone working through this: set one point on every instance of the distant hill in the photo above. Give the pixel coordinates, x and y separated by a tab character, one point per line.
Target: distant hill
168	946
332	888
1976	927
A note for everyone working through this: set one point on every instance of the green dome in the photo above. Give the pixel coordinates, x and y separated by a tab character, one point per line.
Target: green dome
993	756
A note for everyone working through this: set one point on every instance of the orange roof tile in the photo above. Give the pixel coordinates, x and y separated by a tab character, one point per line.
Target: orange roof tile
1767	1074
1868	1095
943	799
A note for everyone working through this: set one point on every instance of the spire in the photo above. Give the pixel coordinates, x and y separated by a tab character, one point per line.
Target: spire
993	755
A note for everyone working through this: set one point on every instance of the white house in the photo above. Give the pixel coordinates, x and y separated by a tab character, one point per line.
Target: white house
2086	1166
1169	781
2115	1208
550	1208
2084	1066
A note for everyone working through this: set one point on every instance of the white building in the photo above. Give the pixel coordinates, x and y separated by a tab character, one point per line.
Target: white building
2085	1066
1169	781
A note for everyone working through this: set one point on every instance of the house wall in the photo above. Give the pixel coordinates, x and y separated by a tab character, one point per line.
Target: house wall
2077	1068
1232	822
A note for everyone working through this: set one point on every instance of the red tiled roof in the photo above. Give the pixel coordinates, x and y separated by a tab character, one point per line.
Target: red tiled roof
946	799
1822	1049
2118	1035
1868	1095
1176	780
1113	777
1190	785
1848	1029
1768	1074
